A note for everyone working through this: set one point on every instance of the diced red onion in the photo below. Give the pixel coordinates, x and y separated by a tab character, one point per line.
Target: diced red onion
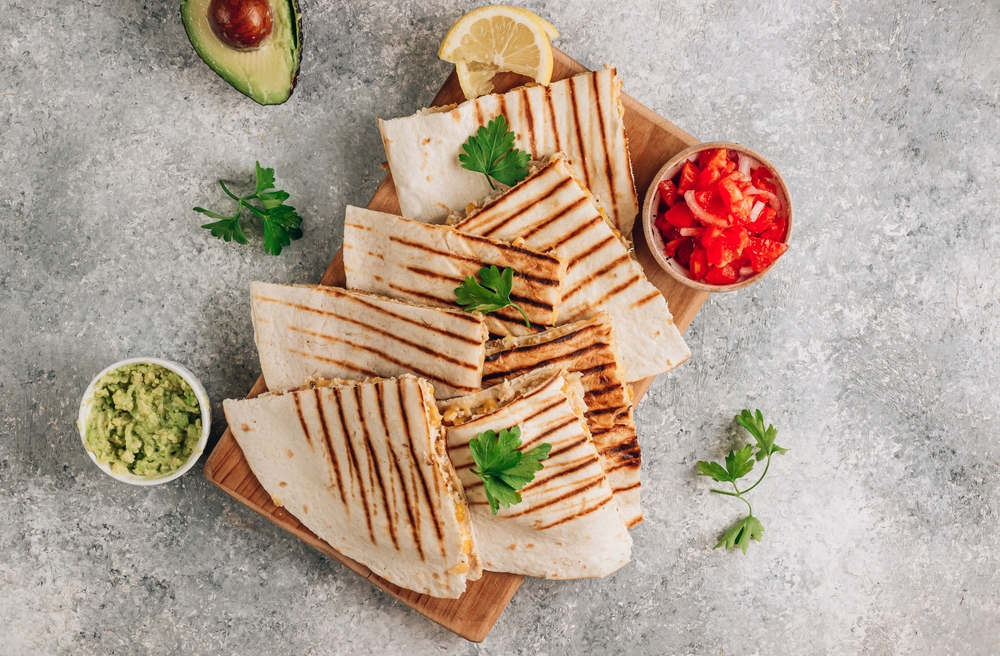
691	232
699	212
746	271
746	163
758	207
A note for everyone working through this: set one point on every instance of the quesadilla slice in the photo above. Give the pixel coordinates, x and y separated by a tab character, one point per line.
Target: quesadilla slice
587	347
551	210
313	330
580	116
567	525
389	255
364	466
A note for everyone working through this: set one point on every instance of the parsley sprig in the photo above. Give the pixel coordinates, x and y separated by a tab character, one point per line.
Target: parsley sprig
490	293
491	152
738	464
503	469
281	222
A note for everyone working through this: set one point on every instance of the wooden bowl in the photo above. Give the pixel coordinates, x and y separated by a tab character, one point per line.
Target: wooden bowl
652	204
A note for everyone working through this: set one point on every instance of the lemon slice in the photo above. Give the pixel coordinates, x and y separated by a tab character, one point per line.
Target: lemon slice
498	38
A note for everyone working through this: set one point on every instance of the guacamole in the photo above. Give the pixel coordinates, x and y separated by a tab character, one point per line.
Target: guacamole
144	420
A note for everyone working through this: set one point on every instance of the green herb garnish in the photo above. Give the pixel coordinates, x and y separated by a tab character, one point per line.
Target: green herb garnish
491	152
503	469
281	223
490	293
739	464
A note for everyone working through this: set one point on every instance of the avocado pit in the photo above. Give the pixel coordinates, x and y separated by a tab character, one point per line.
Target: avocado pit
240	24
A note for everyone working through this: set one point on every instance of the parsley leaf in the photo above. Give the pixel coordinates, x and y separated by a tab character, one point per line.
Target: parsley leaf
741	533
491	152
739	463
503	469
281	222
490	293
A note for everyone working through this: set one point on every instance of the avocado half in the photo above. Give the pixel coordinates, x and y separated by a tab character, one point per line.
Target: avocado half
266	73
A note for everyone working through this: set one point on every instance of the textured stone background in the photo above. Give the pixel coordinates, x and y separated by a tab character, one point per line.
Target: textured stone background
872	346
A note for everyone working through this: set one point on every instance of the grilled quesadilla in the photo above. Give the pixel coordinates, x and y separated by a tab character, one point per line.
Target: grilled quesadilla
587	347
364	466
567	525
580	116
551	210
389	255
313	330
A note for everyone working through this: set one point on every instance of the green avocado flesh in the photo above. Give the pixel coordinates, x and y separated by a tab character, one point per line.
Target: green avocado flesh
144	420
266	74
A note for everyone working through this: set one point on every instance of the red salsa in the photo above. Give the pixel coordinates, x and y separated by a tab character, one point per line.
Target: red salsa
721	219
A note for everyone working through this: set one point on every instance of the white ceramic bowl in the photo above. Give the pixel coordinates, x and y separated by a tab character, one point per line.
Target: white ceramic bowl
206	421
655	240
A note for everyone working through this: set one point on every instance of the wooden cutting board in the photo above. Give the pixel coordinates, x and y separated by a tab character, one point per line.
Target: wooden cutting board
652	141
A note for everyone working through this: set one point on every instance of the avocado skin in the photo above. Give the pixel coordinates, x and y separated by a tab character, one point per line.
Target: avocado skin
210	49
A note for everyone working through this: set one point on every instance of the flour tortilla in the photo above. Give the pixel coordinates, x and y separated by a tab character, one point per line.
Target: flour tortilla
580	116
389	255
587	347
551	210
567	525
305	331
364	466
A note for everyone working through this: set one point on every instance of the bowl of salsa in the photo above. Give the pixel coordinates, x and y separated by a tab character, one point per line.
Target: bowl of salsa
717	217
145	421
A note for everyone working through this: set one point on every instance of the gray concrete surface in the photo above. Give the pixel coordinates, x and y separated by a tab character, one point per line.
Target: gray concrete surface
873	346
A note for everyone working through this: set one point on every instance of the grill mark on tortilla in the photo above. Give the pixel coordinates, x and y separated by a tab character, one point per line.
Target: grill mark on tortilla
501	202
480	119
302	419
604	148
586	485
334	462
353	462
572	468
374	466
552	116
594	249
510	372
618	261
579	133
490	357
420	471
586	511
529	120
388	358
431	299
541	225
568	447
382	311
597	412
414	522
624	464
502	101
340	363
607	389
651	296
628	487
538	439
543	258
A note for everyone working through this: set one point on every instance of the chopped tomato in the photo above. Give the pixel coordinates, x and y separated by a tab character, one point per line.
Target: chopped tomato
778	232
689	174
683	254
710	234
726	275
763	252
760	177
765	221
670	248
727	247
699	264
668	192
713	167
680	215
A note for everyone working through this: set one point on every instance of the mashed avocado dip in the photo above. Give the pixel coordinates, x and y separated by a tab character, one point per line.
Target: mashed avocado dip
144	420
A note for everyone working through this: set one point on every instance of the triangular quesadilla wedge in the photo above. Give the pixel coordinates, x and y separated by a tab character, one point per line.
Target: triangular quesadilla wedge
389	255
587	347
551	210
313	330
364	466
567	525
580	116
